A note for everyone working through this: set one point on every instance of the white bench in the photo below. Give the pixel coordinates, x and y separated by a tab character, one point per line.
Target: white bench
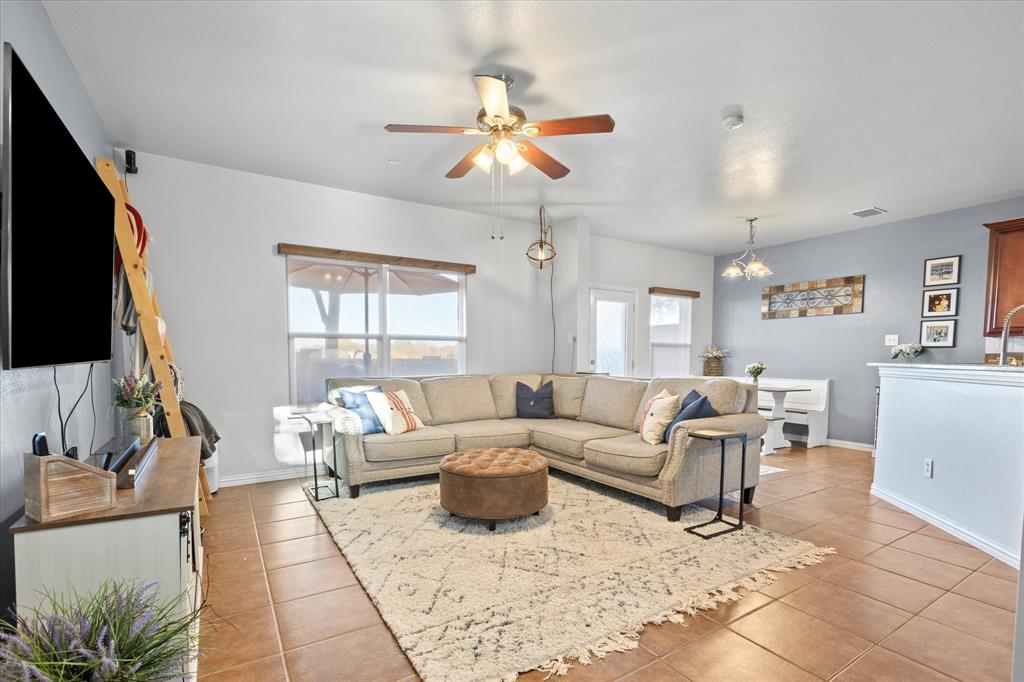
809	407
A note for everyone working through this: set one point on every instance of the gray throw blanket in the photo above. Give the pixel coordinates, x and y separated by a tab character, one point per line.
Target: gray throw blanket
196	424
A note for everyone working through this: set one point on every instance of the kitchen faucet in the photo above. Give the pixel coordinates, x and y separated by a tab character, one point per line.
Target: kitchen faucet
1006	334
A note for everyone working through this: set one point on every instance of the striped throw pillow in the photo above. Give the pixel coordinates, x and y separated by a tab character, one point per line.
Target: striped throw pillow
394	411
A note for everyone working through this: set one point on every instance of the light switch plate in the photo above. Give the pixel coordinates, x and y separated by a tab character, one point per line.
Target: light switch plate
892	339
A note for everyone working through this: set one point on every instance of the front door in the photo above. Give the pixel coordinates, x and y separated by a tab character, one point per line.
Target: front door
611	332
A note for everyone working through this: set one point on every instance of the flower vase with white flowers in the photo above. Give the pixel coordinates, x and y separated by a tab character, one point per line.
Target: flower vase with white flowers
755	369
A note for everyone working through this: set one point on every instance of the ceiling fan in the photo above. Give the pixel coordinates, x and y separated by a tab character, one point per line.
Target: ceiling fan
503	123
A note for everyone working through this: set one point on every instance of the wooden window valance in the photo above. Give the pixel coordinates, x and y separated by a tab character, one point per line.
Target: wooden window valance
665	291
375	258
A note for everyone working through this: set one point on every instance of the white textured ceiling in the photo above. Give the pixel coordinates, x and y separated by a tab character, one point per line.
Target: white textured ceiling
916	107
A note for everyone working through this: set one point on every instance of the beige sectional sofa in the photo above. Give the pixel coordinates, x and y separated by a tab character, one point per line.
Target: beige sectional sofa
595	435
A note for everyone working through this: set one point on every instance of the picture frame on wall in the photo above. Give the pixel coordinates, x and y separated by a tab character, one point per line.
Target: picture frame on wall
940	302
938	333
945	270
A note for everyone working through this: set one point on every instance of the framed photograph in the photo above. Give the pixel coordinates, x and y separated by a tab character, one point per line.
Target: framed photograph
938	333
942	271
940	302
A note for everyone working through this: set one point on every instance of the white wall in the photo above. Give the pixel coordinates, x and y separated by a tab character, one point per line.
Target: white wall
616	263
222	287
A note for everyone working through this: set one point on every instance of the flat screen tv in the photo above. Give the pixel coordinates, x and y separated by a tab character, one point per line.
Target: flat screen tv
57	246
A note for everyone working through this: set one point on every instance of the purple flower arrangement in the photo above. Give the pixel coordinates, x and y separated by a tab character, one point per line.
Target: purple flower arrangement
136	393
121	632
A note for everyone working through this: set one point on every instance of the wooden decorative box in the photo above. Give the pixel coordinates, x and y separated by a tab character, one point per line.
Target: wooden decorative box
58	486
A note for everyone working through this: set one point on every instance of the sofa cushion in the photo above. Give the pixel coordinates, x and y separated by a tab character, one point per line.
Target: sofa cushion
568	393
357	402
698	409
566	436
410	386
459	399
726	396
488	433
425	442
627	454
612	402
503	388
660	411
678	386
535	403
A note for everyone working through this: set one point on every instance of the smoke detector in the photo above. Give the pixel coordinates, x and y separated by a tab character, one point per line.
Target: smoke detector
868	212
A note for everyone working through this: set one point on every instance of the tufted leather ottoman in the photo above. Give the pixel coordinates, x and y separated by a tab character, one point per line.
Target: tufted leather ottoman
494	483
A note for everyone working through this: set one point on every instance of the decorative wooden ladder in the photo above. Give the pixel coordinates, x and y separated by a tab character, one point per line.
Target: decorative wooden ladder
147	309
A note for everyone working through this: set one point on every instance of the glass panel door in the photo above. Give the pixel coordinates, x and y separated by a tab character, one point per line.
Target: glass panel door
611	332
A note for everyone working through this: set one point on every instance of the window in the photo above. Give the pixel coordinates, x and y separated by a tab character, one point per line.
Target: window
670	335
356	319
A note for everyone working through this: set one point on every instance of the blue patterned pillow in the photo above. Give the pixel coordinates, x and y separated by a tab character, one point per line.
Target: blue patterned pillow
356	401
695	409
539	404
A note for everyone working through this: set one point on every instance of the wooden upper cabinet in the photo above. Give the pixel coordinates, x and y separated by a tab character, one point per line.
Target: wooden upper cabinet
1005	288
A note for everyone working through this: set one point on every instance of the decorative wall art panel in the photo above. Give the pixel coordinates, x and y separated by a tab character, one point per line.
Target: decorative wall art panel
834	296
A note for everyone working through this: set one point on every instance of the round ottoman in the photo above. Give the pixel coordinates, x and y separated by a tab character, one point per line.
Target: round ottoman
494	483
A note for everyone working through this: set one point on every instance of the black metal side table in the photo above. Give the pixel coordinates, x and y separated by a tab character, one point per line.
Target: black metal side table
722	437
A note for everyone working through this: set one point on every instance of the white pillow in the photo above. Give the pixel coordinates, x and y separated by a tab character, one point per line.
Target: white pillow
658	414
394	411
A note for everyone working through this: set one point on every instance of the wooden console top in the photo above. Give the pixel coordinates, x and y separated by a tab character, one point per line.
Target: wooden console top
168	486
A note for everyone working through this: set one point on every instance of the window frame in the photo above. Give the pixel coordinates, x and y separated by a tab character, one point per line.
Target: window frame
382	337
686	349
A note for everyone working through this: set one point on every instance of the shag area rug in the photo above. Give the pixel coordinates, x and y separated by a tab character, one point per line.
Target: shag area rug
543	592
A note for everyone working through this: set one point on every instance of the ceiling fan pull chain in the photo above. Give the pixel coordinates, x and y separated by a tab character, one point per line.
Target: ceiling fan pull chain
492	206
501	199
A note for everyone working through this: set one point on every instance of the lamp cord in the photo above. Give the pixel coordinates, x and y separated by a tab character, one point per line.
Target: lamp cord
554	336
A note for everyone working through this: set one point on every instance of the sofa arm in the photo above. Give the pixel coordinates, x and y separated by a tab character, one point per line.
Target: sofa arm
752	424
348	435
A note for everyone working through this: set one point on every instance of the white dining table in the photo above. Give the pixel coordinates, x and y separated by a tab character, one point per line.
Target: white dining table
774	438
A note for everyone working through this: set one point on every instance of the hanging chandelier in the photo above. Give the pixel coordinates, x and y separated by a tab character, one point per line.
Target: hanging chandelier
754	267
542	251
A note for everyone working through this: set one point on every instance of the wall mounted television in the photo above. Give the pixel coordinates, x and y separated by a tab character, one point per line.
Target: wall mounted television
57	241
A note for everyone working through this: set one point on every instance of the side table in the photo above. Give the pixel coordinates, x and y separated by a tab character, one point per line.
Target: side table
322	422
722	437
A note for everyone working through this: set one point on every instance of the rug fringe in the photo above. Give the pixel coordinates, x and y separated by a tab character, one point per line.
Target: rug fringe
629	638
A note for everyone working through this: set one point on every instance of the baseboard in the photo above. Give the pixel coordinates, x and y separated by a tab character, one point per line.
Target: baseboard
835	442
265	476
1011	557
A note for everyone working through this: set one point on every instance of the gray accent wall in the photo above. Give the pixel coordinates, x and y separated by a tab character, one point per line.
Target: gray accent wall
28	402
891	257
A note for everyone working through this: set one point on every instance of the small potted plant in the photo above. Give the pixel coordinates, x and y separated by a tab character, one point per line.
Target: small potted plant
136	398
907	351
755	369
713	356
120	632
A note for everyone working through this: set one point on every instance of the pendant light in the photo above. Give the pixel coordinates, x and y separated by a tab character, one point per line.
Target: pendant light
542	251
754	267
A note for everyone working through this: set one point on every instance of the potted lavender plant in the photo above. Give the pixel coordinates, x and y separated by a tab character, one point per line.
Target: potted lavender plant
136	397
120	632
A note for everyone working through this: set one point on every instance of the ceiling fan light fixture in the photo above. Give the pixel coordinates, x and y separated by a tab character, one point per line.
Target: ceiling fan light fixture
517	164
485	159
505	150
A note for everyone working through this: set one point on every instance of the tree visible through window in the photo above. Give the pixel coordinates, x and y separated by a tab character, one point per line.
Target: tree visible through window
349	319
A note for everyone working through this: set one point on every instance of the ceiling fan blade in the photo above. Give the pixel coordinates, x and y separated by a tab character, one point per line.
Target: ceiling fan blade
465	165
450	130
579	125
542	161
494	95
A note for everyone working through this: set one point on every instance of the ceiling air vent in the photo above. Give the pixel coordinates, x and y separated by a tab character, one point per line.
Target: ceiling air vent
869	212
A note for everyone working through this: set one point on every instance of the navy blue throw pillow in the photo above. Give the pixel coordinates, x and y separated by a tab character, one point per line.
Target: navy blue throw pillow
697	409
539	404
690	398
357	402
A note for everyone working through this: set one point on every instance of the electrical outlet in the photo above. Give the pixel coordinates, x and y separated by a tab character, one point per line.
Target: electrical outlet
892	340
929	468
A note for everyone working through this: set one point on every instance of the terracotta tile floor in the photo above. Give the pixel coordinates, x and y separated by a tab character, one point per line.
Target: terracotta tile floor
902	600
